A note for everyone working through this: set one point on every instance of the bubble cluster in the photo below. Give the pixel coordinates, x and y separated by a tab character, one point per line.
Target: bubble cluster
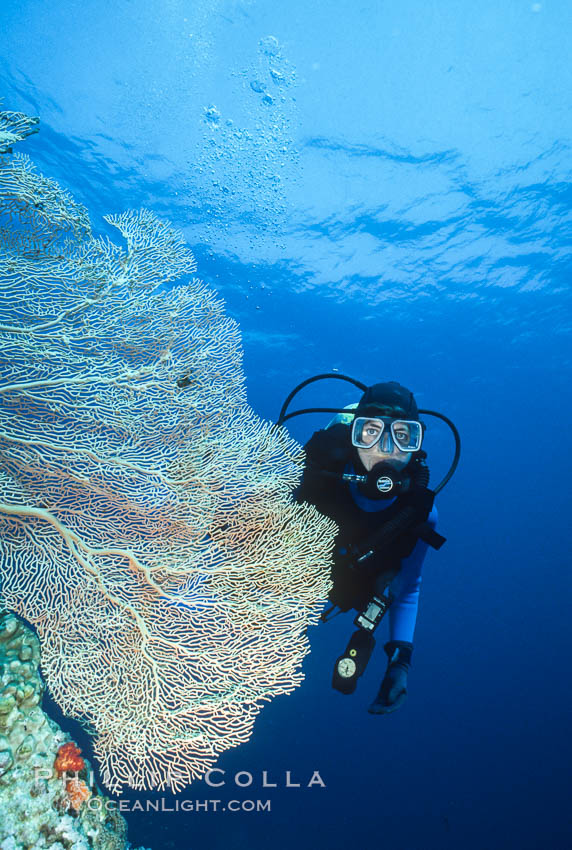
246	157
269	45
212	115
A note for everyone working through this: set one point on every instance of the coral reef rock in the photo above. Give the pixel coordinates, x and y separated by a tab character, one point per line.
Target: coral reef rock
39	805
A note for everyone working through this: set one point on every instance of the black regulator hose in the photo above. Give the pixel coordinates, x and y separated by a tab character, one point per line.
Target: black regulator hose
420	472
283	416
457	437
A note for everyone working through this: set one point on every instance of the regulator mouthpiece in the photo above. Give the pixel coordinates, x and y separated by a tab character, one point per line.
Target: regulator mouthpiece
383	481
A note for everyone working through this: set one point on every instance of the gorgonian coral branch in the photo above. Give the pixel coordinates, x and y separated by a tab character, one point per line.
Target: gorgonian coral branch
14	127
147	526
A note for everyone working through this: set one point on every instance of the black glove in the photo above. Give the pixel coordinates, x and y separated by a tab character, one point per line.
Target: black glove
343	593
393	688
328	448
353	588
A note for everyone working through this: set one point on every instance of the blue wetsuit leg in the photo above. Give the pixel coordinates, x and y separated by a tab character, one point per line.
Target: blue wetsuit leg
405	591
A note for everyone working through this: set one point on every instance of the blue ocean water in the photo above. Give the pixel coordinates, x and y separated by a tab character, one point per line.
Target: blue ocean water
383	190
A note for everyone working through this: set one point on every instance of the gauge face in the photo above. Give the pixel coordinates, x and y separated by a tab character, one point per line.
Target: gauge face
346	668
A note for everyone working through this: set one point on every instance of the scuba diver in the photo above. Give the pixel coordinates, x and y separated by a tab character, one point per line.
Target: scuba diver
367	471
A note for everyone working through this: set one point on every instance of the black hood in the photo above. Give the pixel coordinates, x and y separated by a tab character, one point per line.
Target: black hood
388	399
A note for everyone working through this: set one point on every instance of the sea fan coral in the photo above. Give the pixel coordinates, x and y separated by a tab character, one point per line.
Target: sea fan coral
15	126
147	526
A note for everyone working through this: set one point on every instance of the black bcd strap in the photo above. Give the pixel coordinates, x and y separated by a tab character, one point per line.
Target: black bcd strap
428	534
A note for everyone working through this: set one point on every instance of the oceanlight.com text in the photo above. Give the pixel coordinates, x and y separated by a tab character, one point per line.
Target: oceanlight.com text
168	805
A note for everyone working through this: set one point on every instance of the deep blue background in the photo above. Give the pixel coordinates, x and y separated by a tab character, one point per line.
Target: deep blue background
399	210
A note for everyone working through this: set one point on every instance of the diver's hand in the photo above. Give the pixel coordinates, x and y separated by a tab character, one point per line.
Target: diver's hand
393	688
343	590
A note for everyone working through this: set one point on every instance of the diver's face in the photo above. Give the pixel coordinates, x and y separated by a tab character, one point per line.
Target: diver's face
383	449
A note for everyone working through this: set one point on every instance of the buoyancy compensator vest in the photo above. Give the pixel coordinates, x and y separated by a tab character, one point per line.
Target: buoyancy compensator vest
369	544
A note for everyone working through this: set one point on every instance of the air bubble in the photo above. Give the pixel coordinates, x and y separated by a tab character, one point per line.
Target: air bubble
212	115
257	86
269	45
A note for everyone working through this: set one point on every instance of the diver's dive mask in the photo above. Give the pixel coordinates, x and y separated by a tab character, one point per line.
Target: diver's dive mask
407	434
